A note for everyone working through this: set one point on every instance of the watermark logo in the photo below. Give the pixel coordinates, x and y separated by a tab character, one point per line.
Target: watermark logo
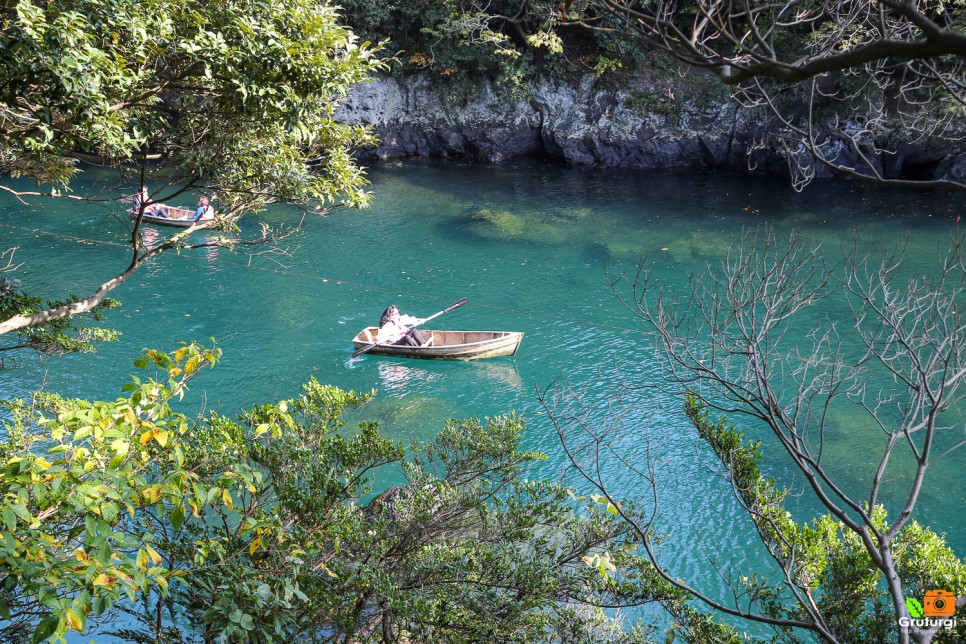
937	609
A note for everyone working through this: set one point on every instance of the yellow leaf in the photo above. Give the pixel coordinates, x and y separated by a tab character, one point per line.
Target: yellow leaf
42	463
81	555
180	354
36	555
147	436
121	447
161	436
153	554
74	621
121	575
105	580
226	498
89	465
152	494
191	366
254	545
283	406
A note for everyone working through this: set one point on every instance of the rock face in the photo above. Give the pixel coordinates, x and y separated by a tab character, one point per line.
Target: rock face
589	125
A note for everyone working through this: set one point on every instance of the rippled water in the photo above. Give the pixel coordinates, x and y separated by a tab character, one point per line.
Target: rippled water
536	260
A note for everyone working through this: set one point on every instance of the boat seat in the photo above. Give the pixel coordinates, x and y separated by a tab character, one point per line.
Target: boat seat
429	342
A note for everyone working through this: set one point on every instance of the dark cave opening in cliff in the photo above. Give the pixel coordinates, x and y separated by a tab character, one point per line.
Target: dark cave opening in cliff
918	171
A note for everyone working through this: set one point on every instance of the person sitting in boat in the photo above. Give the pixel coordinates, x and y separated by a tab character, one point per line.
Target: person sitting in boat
204	208
160	210
141	198
150	208
395	328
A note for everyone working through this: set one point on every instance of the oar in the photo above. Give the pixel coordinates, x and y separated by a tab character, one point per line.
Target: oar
455	305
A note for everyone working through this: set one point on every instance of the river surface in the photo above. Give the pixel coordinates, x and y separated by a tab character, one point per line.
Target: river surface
533	248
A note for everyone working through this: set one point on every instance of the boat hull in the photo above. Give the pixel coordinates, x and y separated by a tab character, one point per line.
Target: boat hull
446	345
186	220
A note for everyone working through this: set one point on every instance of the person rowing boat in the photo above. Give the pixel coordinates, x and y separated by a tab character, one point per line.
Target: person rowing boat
395	328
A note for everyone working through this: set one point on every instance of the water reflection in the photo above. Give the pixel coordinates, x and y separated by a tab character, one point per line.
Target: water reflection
150	236
398	379
503	373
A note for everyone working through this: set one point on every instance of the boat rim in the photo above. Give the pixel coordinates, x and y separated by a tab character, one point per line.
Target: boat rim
502	335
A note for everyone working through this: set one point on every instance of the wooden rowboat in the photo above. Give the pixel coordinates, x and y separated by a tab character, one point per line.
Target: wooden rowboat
446	345
185	218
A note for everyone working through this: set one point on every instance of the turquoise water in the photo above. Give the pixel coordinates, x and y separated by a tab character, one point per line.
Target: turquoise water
539	260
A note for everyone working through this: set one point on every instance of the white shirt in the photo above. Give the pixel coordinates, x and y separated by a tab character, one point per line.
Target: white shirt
393	330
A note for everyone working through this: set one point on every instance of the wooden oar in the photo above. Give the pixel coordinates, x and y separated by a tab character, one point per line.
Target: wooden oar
455	305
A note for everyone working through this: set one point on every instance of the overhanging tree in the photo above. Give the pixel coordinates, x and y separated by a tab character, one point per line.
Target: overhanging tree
736	344
232	98
874	76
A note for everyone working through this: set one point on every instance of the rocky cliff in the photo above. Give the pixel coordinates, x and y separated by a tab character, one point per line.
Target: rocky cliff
586	124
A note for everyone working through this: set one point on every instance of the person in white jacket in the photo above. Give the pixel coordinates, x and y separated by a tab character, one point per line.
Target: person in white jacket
395	328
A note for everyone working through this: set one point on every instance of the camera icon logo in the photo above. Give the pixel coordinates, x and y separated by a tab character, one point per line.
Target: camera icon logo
939	603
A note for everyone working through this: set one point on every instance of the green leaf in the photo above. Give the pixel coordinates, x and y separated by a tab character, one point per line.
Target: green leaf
46	628
177	516
9	519
914	607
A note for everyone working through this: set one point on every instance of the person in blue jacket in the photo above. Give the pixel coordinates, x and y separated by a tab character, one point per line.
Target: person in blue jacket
204	208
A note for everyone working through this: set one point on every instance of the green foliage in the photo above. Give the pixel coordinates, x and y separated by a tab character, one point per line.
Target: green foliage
80	483
57	336
606	66
257	529
650	101
233	98
462	43
238	95
825	559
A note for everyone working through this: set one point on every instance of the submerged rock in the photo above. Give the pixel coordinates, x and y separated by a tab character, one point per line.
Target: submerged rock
496	224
